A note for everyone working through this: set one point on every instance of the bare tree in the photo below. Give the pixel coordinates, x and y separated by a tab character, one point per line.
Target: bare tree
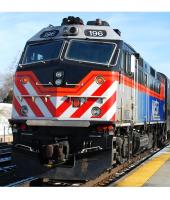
6	80
7	85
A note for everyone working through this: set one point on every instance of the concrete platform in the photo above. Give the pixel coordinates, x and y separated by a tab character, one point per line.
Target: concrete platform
155	172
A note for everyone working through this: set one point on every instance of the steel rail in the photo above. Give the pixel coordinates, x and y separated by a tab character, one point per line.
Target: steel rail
106	178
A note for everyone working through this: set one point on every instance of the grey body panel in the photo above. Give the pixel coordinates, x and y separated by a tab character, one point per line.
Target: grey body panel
111	34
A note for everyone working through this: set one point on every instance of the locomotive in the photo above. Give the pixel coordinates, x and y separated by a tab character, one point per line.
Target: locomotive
85	101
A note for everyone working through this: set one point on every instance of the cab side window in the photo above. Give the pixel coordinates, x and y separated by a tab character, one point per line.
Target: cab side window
140	76
123	64
145	79
126	62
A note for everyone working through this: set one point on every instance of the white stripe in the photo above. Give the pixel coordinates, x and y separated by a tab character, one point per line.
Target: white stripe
23	102
38	101
88	92
108	93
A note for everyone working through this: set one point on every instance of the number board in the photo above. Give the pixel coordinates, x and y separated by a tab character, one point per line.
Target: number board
49	34
95	33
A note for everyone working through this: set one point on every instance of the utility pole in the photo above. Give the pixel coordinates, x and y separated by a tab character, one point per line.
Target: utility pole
4	134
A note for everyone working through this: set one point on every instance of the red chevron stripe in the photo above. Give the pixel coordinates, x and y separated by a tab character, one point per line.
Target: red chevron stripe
56	112
62	91
51	108
31	104
79	112
106	106
16	105
63	107
113	118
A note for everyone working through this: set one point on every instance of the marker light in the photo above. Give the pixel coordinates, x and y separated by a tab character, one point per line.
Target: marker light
23	127
76	102
25	80
65	30
100	80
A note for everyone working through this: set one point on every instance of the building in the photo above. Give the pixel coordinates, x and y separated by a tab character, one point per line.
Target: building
5	130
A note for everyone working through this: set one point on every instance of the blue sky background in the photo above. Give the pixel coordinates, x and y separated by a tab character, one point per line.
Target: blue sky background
148	33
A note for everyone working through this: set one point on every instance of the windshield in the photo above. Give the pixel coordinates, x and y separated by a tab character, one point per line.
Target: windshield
42	52
95	52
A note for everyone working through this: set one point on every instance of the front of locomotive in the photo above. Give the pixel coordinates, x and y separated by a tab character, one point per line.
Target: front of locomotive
64	104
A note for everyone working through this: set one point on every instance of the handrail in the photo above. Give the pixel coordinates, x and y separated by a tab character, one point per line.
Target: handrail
43	83
74	96
34	97
73	84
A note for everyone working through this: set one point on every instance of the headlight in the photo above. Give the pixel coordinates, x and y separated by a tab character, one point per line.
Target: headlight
58	82
24	110
59	74
73	30
95	111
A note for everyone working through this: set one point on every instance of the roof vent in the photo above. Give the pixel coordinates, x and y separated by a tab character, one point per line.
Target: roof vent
98	22
117	31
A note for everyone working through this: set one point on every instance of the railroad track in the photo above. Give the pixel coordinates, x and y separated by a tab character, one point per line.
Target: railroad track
35	181
5	159
108	177
112	175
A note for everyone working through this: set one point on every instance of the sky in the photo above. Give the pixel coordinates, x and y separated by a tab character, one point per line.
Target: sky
147	33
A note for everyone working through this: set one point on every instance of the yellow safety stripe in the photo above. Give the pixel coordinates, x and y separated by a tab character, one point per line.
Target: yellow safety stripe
141	175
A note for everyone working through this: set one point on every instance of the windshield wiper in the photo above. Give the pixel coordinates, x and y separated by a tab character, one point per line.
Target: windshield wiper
43	61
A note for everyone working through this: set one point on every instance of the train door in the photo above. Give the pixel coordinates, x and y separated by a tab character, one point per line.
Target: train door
134	91
128	92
